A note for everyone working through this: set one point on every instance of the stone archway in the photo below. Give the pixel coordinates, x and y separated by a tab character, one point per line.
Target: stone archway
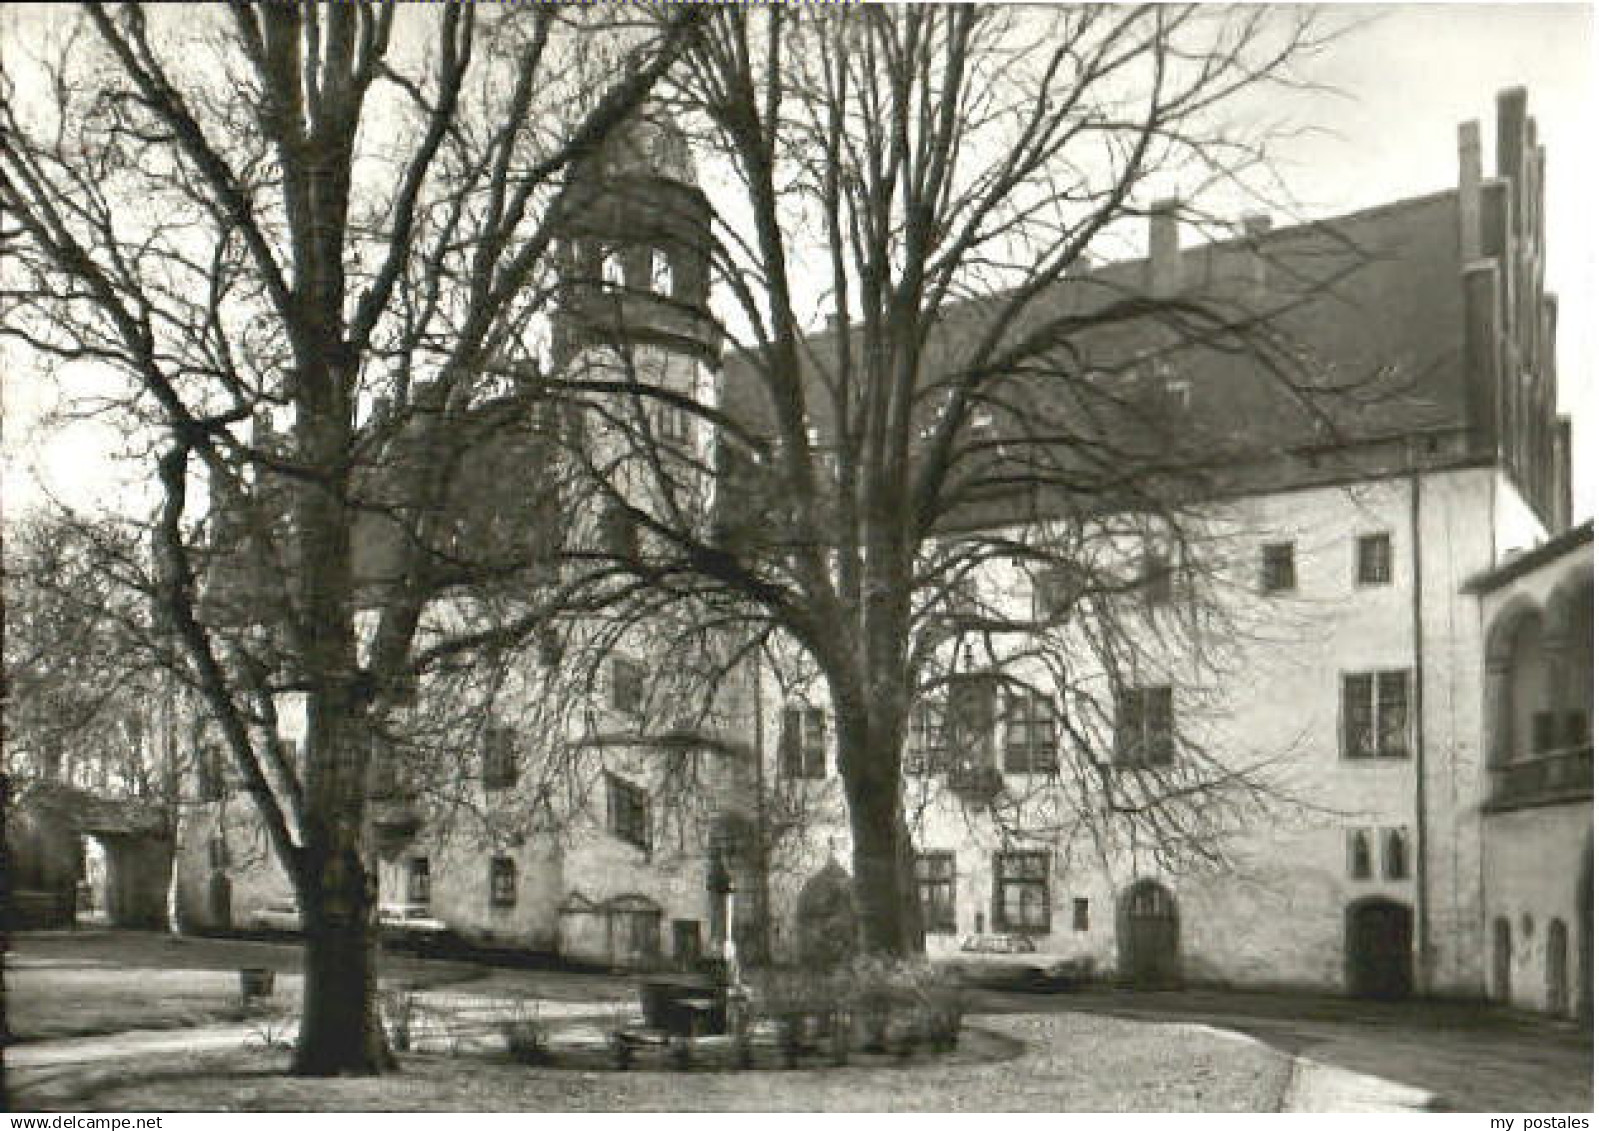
1147	936
1378	940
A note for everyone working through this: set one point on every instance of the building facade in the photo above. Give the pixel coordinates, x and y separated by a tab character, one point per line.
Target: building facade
1364	853
1338	819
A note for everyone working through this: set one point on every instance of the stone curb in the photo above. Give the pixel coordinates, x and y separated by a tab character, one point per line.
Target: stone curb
1317	1087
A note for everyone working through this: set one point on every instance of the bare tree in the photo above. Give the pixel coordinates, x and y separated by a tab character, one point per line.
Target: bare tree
283	239
82	665
989	398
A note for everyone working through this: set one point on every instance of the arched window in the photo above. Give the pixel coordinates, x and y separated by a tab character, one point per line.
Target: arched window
1395	855
1359	854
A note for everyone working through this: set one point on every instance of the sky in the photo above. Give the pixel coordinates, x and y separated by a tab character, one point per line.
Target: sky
1403	77
1408	76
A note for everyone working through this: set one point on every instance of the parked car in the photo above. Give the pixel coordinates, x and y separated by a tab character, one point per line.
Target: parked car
280	915
413	925
1012	962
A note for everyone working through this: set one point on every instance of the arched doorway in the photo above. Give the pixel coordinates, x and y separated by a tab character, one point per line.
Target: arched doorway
1500	989
1377	948
1147	929
1556	998
825	918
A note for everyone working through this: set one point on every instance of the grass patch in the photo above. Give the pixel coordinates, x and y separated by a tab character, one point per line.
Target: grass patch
1066	1062
48	1004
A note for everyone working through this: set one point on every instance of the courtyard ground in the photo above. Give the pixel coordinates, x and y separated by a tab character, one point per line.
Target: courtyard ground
1091	1050
1065	1062
1472	1057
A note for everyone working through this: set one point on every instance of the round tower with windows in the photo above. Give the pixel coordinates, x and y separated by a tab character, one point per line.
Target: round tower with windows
633	310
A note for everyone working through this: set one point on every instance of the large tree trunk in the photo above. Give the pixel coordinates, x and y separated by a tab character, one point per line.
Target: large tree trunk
340	1029
885	886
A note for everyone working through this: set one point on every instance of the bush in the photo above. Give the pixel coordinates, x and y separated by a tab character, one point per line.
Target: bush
526	1034
399	1011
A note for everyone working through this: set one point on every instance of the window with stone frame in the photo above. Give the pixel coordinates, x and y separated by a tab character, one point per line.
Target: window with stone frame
802	742
1359	854
926	744
627	685
1374	559
1144	727
1277	574
1030	732
1021	892
1376	714
627	811
419	881
935	886
502	882
1079	914
500	766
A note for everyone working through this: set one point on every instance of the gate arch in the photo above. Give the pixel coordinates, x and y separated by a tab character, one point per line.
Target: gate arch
1147	936
1378	939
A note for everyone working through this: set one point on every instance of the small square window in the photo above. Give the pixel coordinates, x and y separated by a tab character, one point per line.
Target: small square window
502	882
627	686
628	811
419	882
1374	563
499	757
1277	567
1157	579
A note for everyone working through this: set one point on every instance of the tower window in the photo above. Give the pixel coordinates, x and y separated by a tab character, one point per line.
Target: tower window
662	279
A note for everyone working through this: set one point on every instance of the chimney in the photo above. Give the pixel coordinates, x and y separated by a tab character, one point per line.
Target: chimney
1164	271
1256	225
1470	197
1512	140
